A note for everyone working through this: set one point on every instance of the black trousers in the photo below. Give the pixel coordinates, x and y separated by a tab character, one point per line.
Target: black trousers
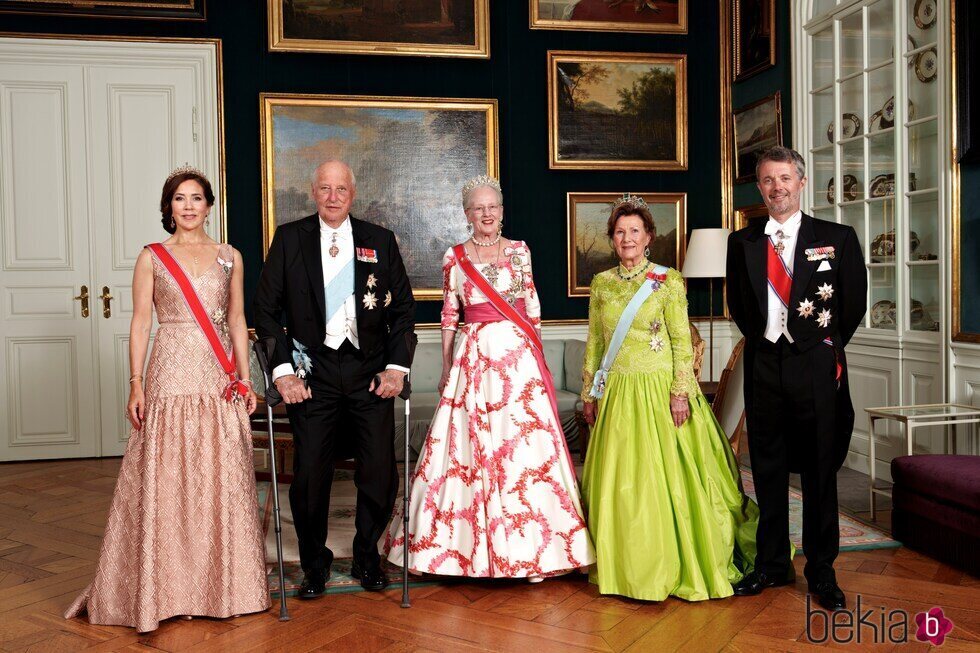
342	416
791	412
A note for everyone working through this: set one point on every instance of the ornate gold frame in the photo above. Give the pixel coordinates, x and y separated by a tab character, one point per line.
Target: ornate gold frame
536	22
679	61
219	80
479	49
679	200
191	10
269	100
775	97
737	45
745	213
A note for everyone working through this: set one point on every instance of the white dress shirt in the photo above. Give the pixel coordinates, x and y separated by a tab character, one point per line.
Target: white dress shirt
342	325
779	314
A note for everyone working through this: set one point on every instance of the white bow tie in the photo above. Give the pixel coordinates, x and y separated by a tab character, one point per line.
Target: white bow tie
773	227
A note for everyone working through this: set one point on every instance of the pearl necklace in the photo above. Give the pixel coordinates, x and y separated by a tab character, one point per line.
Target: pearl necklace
628	277
490	244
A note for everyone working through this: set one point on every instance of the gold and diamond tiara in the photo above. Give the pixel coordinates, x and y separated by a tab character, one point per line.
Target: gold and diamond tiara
633	201
479	182
185	169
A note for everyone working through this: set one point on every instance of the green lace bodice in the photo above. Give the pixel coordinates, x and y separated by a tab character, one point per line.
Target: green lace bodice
659	340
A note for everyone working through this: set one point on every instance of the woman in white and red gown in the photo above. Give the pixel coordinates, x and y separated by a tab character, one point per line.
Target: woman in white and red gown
494	493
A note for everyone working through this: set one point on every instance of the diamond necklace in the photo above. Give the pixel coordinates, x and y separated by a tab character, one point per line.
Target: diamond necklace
627	277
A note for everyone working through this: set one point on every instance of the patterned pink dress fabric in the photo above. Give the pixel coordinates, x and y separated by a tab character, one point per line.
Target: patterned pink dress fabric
493	494
183	534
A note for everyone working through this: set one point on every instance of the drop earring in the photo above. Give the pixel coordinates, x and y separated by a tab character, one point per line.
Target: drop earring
207	220
646	252
500	227
469	227
173	223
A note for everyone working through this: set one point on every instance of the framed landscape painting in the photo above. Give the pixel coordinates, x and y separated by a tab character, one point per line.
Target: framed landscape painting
758	126
150	9
610	16
410	157
590	250
617	111
754	24
435	28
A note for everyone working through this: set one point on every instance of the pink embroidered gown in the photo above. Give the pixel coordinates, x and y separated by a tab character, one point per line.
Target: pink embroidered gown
183	534
494	493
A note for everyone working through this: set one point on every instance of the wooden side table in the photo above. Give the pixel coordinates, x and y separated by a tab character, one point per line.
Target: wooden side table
913	417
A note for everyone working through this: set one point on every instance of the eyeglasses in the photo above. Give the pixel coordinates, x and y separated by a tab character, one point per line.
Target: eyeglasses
489	208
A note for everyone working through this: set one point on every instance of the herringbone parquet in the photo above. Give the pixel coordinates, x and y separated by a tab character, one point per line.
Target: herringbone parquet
52	515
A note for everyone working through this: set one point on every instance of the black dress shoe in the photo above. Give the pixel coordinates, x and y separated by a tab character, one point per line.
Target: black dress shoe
829	596
314	583
757	581
373	580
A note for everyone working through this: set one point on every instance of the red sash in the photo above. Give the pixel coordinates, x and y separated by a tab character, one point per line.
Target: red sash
522	323
779	277
236	387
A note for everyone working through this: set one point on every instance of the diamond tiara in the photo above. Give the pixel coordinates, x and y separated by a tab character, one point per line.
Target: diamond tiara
477	182
634	201
184	169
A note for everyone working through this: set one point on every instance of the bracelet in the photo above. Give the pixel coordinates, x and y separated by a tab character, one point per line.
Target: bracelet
136	377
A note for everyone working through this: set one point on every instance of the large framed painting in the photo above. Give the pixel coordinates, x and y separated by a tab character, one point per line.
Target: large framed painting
619	111
590	250
410	157
754	38
434	28
151	9
610	16
746	215
758	126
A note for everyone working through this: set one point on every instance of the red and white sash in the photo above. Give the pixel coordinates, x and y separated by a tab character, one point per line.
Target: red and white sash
226	359
522	323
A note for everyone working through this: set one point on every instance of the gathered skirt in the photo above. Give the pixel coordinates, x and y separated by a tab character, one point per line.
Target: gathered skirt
664	504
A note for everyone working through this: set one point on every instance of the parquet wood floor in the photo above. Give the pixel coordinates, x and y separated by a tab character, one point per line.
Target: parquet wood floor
52	515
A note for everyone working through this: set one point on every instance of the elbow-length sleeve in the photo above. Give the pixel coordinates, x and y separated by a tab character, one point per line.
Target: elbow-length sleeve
679	331
450	300
532	304
595	345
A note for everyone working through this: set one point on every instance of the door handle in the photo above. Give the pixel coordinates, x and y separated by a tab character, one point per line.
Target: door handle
106	298
83	297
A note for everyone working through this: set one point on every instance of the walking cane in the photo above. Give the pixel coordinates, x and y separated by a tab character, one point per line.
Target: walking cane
412	340
263	352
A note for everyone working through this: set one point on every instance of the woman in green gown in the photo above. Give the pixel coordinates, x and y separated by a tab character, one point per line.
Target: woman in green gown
661	483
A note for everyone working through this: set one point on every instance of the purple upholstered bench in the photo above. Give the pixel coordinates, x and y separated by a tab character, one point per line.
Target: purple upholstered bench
936	507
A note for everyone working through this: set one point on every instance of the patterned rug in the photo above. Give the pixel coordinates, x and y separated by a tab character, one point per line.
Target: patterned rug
854	536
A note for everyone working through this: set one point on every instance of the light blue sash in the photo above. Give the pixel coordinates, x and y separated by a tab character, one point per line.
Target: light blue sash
646	289
339	289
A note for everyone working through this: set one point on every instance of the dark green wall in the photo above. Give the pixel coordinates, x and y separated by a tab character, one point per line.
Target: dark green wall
970	247
515	75
764	84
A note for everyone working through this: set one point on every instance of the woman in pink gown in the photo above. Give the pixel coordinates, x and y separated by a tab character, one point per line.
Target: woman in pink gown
494	493
183	534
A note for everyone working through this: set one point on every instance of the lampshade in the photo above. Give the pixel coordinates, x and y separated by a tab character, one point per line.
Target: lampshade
707	254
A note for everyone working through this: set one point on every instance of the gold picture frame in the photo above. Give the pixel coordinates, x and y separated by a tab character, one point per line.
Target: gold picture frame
190	10
753	36
450	35
589	250
745	214
409	184
586	135
614	20
756	127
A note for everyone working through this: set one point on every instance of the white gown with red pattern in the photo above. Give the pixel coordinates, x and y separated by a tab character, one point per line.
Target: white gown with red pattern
494	493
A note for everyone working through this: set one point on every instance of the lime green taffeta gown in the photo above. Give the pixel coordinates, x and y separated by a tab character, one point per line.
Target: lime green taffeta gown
663	503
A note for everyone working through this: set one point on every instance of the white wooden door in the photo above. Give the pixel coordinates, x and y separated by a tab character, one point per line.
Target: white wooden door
146	109
48	397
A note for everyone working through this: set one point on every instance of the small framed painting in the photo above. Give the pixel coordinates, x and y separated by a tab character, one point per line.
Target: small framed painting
758	126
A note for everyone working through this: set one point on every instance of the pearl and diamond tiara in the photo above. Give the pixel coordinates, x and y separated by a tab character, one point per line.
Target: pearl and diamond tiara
633	201
185	169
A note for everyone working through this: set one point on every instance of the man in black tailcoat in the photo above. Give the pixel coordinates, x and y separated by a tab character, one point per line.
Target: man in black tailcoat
342	288
797	289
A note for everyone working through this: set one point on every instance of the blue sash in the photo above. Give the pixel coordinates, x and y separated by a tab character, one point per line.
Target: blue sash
646	289
339	289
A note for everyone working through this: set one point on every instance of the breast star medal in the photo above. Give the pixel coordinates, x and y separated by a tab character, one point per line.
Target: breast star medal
371	281
655	326
334	250
369	300
220	319
826	291
805	309
823	318
656	342
492	272
388	299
